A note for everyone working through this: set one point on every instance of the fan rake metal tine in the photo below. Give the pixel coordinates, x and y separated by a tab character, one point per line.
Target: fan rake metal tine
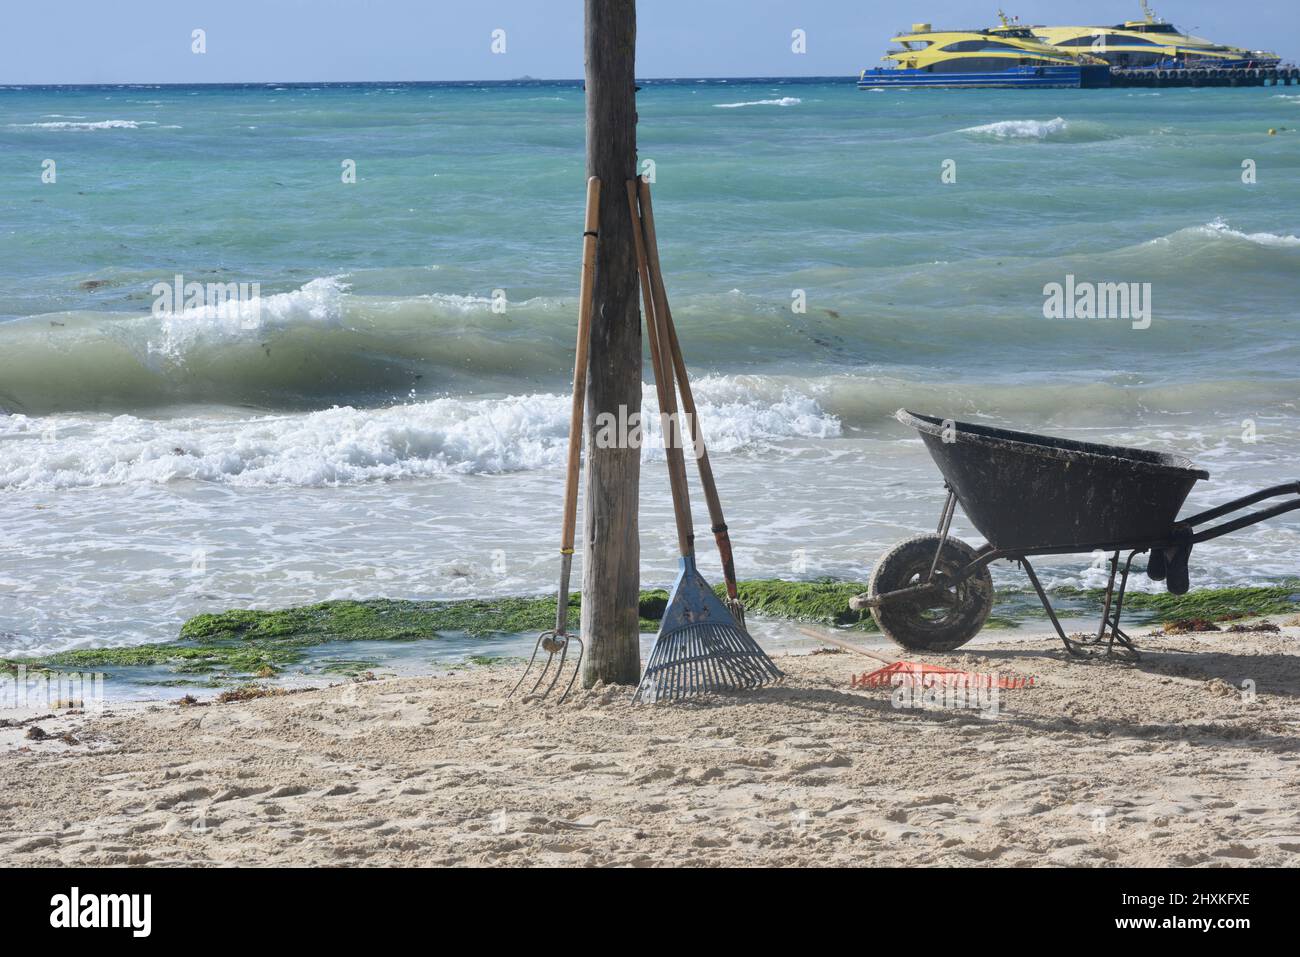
733	668
692	674
708	656
690	656
743	671
674	670
706	668
719	670
671	678
759	669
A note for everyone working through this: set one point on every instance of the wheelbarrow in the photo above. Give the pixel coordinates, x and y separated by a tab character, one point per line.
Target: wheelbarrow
1032	495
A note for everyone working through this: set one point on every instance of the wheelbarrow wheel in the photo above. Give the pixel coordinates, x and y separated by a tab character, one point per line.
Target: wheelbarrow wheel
948	619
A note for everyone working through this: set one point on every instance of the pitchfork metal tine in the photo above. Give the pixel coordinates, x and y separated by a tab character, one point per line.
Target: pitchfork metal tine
559	669
541	677
577	667
523	677
557	640
563	652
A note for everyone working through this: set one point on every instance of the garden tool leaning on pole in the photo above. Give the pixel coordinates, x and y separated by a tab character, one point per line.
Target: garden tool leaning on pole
719	527
699	647
558	641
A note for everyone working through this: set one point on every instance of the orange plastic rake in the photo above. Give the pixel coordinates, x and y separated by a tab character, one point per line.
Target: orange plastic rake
915	674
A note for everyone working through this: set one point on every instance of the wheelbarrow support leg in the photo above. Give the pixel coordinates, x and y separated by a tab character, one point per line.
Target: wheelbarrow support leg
1110	631
945	522
1110	617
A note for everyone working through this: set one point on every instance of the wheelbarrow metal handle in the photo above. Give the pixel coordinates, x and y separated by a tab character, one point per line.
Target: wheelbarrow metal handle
1290	488
1245	520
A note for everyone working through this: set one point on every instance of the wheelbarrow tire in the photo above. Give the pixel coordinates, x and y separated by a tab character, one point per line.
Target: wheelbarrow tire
937	628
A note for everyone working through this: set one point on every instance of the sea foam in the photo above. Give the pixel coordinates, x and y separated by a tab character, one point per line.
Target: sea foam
319	302
1217	229
87	125
1021	129
783	101
346	445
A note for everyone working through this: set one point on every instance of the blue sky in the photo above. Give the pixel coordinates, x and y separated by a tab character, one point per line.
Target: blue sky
148	41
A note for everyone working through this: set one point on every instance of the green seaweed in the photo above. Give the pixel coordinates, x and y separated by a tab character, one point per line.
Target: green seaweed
241	644
1001	622
1212	604
824	600
384	619
489	660
34	669
349	668
182	657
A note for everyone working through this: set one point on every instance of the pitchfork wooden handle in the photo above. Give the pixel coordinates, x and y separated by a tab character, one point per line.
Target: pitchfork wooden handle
586	285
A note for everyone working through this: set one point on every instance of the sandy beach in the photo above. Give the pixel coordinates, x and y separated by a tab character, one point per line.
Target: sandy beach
1173	761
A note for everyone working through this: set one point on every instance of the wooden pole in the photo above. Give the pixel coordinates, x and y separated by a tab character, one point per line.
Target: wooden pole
611	554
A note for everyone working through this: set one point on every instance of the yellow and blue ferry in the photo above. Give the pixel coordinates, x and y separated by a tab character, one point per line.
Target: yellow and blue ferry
1009	55
1150	42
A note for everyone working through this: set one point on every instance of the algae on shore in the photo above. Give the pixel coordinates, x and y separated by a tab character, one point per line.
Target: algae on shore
180	657
823	600
240	644
1211	604
383	619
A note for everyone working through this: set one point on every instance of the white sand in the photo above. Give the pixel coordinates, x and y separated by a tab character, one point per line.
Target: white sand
1165	763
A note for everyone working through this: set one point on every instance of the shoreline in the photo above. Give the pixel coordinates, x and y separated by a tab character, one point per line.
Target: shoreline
340	640
1186	759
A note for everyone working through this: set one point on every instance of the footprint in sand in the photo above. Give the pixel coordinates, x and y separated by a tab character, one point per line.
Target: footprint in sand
1237	851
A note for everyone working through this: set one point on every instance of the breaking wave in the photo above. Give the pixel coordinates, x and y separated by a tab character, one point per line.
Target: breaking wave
85	125
783	101
319	302
1218	229
345	445
1056	129
322	344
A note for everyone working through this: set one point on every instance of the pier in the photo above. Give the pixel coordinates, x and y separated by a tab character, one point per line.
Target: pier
1204	76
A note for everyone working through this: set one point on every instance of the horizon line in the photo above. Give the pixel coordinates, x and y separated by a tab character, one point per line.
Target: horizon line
520	79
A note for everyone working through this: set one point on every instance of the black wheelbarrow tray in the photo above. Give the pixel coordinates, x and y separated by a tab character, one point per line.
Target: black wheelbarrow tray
1032	495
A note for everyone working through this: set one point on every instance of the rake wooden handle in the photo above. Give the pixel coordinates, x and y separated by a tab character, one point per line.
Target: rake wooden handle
664	386
716	518
822	634
586	286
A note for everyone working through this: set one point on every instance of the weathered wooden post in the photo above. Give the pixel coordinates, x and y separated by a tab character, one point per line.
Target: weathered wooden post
611	554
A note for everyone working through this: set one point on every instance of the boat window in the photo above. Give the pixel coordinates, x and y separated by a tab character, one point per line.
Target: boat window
976	64
969	46
1110	39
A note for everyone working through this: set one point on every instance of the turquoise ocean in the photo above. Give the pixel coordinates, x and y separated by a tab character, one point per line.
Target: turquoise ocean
381	429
